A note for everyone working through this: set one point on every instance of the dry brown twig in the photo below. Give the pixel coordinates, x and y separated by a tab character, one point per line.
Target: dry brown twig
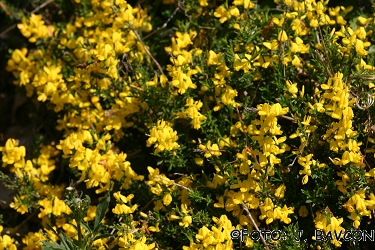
148	52
164	25
255	110
173	183
136	87
255	225
5	9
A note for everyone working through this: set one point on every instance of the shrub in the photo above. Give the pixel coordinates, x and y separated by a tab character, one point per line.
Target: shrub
249	118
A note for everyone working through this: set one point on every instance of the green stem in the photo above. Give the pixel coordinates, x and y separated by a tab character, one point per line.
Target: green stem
79	235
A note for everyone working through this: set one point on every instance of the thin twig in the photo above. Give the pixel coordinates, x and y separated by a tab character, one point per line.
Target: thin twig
242	125
331	160
148	52
5	9
173	183
312	212
247	139
204	27
325	49
8	29
317	37
113	230
255	110
146	206
255	225
136	87
291	165
42	6
134	153
24	222
255	93
209	150
32	12
164	25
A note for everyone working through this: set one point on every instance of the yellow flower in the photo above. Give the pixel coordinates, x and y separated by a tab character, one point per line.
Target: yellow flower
292	88
199	161
154	228
34	28
167	199
314	23
91	213
193	112
305	179
296	61
247	4
280	191
18	206
225	14
124	209
213	58
210	150
359	48
104	51
121	198
282	36
186	221
303	211
203	3
12	153
163	137
271	45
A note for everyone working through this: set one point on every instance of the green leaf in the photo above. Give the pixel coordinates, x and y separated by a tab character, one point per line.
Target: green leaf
353	23
106	235
67	243
100	211
86	227
371	50
52	246
189	236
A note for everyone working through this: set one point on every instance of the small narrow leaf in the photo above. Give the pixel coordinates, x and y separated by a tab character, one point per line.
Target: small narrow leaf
106	235
52	246
100	211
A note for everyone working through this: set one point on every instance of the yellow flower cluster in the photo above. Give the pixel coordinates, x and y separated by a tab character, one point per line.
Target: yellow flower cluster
128	242
179	70
270	212
12	153
328	223
306	163
163	136
265	135
216	238
100	168
6	242
340	135
121	208
357	206
53	206
210	149
34	28
193	112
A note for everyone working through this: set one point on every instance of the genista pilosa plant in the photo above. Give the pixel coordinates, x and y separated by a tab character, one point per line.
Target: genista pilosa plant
178	122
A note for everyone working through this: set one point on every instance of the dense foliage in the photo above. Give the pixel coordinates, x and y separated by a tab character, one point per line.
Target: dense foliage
168	125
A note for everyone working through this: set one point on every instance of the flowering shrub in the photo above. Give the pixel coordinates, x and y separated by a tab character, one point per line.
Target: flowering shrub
255	121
